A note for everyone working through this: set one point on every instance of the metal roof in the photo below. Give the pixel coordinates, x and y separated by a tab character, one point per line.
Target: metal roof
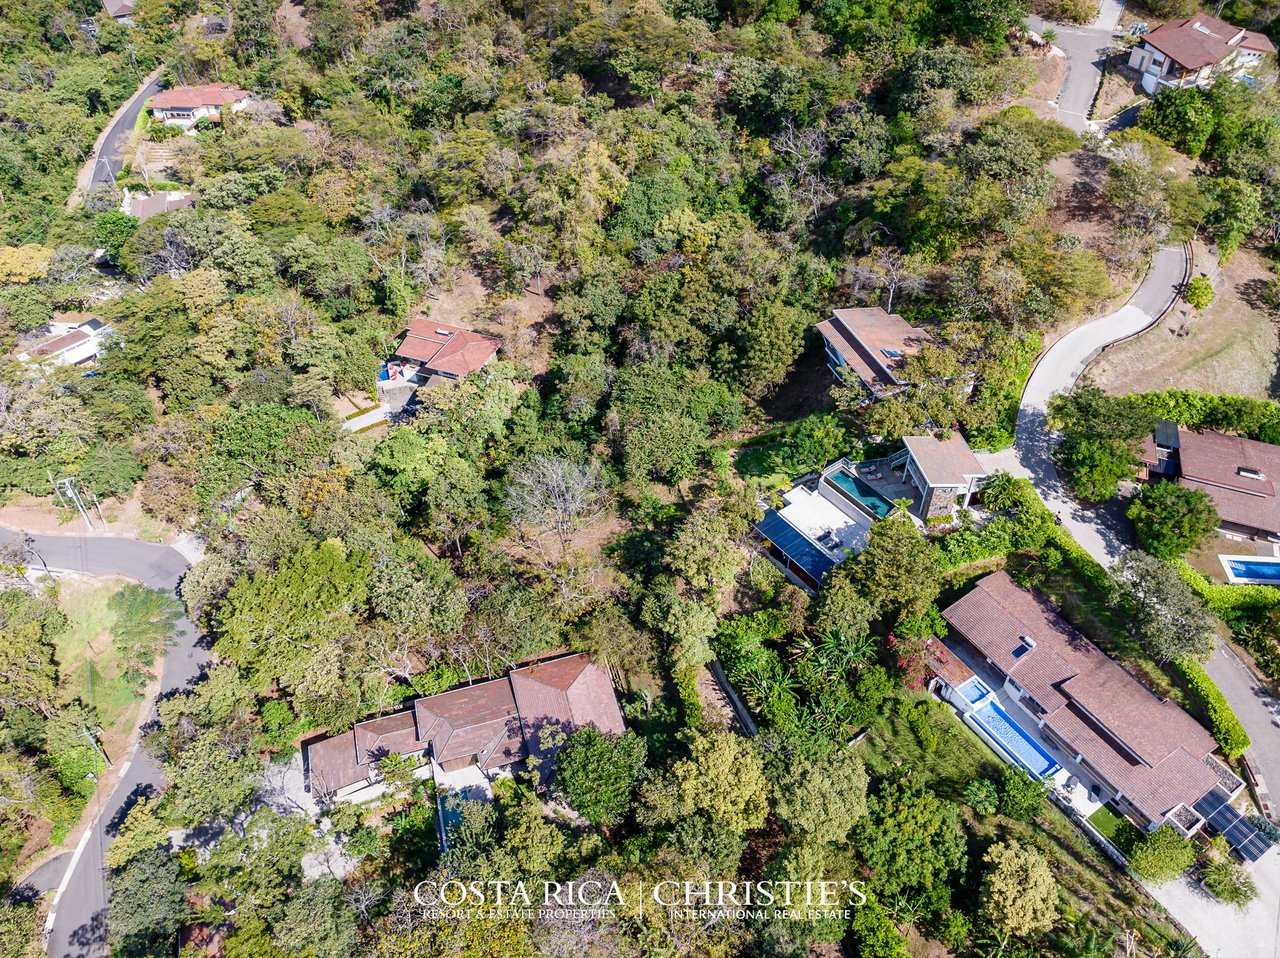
793	544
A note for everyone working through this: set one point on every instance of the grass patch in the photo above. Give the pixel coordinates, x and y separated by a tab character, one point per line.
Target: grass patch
1089	880
1116	829
89	666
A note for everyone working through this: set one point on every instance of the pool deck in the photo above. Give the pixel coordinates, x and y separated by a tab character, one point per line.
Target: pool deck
1080	789
1235	578
889	484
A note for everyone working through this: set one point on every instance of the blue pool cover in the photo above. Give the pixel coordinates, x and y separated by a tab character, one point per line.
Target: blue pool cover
792	543
1014	741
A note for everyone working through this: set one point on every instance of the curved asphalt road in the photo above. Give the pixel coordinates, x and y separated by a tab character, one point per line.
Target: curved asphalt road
80	908
110	158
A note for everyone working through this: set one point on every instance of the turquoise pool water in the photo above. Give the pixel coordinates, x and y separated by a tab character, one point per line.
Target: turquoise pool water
1015	741
862	493
975	690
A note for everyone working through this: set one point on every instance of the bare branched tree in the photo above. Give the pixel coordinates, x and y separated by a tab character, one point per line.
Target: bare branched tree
806	151
549	494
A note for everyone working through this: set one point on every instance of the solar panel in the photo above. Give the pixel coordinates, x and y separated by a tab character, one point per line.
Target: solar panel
792	543
1231	825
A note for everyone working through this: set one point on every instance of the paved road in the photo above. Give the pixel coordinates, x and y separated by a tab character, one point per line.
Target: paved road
1084	47
79	926
1257	709
110	158
1101	531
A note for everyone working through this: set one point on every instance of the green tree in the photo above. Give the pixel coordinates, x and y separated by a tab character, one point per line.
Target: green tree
141	832
1019	895
148	904
1162	855
1163	612
1101	437
598	773
821	799
1199	292
910	839
1172	520
1235	211
1021	796
112	229
722	778
899	570
1184	117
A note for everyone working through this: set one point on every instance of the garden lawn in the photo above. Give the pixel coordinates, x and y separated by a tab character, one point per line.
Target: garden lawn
88	665
1089	880
1115	828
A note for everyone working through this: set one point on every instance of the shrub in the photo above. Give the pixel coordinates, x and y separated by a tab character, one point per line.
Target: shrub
1199	292
1020	795
1227	730
1162	855
983	796
1230	883
1172	520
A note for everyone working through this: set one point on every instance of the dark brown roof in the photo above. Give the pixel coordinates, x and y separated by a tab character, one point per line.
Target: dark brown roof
1150	749
1202	41
446	349
946	664
191	97
944	462
873	343
1213	461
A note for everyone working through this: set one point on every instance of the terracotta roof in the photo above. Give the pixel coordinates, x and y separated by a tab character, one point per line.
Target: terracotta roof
477	721
946	664
570	692
1150	749
446	349
487	722
54	346
1201	41
1240	474
944	462
190	97
873	343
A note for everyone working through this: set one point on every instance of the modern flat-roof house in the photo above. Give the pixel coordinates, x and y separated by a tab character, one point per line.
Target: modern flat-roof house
827	518
430	352
1047	699
71	343
143	206
1194	51
1240	474
871	344
483	728
185	106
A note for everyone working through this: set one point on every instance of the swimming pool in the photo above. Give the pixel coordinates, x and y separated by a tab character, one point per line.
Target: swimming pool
1251	570
1014	741
861	493
975	690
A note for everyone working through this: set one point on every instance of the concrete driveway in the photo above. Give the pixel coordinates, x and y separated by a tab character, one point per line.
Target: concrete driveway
78	921
1224	931
1103	532
1085	49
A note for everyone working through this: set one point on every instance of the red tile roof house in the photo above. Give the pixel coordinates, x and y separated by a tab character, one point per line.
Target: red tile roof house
1196	50
1039	679
1241	475
185	106
871	344
490	725
431	352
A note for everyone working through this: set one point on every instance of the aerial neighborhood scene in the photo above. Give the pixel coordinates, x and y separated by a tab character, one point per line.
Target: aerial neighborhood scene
639	479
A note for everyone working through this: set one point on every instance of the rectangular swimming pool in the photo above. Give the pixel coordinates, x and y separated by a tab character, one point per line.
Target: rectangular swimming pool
1251	570
861	493
1014	741
975	690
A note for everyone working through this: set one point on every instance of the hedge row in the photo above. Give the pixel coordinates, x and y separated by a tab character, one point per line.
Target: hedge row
1253	418
1227	730
1248	610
